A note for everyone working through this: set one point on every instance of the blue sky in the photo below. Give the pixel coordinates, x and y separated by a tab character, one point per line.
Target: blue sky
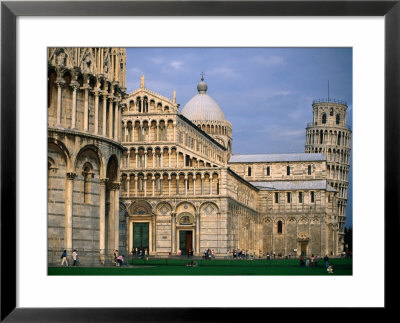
266	93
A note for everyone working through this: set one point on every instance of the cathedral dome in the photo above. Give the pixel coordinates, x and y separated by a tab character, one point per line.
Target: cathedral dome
202	107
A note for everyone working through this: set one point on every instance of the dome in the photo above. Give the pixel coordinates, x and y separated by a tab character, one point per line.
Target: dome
202	107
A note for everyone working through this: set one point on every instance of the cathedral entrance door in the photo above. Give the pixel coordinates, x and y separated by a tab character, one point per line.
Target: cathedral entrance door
185	241
141	235
303	248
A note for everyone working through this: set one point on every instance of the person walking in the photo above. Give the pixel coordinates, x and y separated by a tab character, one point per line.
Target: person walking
74	257
64	258
116	257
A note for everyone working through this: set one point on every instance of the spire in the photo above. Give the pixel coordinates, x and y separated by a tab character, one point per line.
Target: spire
142	82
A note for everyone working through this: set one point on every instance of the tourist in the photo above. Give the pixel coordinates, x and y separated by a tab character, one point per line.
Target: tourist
330	269
308	262
316	261
312	260
116	257
302	262
64	258
228	254
120	260
234	253
74	257
326	260
179	252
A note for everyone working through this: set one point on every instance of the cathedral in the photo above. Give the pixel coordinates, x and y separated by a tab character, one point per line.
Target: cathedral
130	170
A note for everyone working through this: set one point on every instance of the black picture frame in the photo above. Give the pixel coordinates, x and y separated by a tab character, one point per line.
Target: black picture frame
10	10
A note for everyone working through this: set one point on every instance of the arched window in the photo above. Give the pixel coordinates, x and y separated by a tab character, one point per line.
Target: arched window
337	118
268	171
324	118
288	197
309	169
288	170
331	112
249	171
279	226
276	197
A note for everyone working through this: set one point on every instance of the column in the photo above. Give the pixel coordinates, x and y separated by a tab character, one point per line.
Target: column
136	179
177	184
169	157
136	153
110	118
86	108
115	188
68	211
194	184
169	186
116	118
157	133
154	159
145	186
129	159
173	222
197	250
126	137
186	185
211	182
75	87
161	157
104	94
177	158
202	184
96	94
60	84
152	186
102	218
153	231
128	180
145	159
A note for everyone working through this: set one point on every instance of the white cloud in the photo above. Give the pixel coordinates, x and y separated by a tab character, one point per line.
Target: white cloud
223	72
268	60
157	60
176	65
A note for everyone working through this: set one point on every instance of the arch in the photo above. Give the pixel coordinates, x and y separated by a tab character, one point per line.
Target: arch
163	208
112	169
97	154
190	204
65	152
208	208
140	207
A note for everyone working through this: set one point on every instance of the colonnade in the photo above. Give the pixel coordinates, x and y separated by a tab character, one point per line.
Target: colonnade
152	184
336	138
148	131
110	101
160	157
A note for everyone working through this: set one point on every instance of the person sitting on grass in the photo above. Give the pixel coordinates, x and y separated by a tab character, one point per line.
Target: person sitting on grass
330	269
191	264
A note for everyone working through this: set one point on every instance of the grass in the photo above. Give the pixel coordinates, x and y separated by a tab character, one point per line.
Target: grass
176	267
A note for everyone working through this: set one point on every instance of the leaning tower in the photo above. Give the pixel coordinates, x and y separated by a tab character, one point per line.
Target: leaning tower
329	134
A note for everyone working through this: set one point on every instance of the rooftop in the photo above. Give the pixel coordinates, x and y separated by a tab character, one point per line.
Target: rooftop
294	185
260	158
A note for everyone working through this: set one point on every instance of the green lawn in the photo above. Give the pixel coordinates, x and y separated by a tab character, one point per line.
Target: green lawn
176	267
